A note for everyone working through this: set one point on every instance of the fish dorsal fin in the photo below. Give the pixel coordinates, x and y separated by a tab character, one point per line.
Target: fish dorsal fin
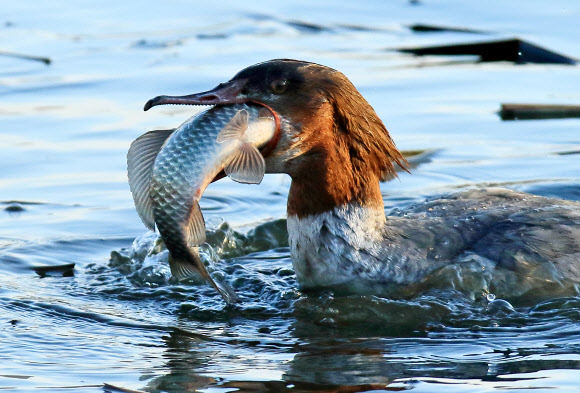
140	160
246	165
234	130
194	229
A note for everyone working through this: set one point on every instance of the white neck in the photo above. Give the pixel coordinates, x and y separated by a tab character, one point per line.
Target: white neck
336	247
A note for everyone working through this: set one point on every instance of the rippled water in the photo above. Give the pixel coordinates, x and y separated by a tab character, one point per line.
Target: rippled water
121	319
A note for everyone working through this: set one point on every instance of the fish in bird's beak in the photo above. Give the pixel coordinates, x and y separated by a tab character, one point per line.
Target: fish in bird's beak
232	92
317	110
327	137
279	85
169	170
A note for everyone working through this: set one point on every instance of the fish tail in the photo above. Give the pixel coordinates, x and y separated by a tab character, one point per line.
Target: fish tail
226	291
185	266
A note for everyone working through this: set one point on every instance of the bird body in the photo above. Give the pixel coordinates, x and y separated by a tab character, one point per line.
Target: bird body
337	150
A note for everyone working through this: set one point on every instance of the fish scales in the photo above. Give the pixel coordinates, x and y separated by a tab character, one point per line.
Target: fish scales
187	161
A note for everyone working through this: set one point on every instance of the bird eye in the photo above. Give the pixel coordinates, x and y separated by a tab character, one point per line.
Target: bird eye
279	86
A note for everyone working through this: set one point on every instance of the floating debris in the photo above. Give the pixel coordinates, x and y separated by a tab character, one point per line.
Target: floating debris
112	389
66	270
513	50
420	28
534	111
353	27
568	153
14	207
44	60
156	44
307	27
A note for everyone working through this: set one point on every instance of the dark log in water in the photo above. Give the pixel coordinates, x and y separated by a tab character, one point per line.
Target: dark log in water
115	389
534	111
513	50
66	270
421	28
44	60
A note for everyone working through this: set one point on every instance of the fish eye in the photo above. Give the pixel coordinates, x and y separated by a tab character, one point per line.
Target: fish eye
279	86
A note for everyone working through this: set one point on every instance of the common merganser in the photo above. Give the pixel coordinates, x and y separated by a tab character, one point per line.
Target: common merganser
337	150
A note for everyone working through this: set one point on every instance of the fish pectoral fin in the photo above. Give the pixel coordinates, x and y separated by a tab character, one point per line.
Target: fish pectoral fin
140	160
246	165
183	269
194	229
234	130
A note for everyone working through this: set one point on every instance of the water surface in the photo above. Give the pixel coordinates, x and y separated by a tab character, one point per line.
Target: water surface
120	319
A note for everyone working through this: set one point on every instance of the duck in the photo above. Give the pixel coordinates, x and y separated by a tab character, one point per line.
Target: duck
337	151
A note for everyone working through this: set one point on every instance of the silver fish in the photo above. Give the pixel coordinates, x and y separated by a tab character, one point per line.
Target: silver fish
170	169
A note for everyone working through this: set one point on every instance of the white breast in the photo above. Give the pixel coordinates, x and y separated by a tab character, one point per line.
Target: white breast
337	247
